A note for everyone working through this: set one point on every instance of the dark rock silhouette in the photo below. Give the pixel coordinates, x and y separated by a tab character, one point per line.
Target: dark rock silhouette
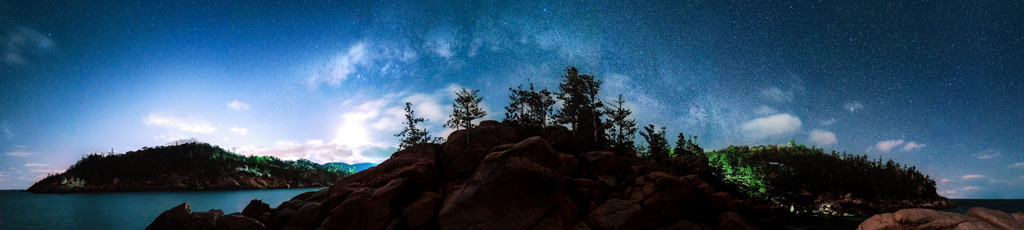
507	178
918	218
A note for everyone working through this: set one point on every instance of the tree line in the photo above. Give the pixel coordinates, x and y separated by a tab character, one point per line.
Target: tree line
593	123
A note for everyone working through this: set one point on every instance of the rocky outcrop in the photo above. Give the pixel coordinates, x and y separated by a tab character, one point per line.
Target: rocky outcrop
180	217
498	177
976	218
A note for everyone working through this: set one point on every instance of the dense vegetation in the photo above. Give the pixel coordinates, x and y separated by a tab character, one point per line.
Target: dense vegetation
790	174
190	164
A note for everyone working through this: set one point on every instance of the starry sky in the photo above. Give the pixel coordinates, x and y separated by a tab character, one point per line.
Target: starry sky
936	85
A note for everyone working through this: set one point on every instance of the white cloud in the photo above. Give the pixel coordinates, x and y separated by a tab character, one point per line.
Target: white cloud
972	176
1019	165
765	110
36	165
948	192
853	106
183	125
911	146
970	188
19	153
238	105
988	154
823	137
887	145
239	130
771	126
21	43
776	94
828	122
945	180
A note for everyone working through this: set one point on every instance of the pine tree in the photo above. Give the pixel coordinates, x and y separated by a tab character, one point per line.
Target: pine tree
581	109
621	129
681	146
413	134
657	145
529	108
465	109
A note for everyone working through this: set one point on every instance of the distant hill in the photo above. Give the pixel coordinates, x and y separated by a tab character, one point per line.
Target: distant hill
809	180
354	168
187	166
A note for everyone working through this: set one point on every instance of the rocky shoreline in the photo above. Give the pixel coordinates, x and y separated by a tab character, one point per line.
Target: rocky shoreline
917	218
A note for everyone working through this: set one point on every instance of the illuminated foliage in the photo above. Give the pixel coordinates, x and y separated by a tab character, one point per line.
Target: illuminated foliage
780	174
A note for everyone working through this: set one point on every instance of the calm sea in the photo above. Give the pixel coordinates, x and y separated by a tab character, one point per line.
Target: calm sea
126	210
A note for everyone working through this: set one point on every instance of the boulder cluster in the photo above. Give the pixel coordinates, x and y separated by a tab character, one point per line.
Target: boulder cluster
497	176
918	218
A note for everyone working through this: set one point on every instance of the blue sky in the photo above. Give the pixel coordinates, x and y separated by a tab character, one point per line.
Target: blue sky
934	85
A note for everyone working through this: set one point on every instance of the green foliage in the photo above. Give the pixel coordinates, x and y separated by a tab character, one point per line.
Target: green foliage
581	109
529	108
621	129
657	146
465	109
151	162
779	173
412	134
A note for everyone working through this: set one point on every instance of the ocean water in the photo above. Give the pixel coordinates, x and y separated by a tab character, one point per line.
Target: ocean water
1006	205
123	210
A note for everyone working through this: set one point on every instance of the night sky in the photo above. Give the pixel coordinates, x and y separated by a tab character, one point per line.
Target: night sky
934	85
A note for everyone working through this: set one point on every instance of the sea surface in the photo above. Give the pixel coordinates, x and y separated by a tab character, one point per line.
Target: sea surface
135	210
121	210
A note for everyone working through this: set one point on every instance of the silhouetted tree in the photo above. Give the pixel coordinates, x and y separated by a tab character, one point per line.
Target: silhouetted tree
465	109
529	107
413	134
657	145
621	129
581	109
687	146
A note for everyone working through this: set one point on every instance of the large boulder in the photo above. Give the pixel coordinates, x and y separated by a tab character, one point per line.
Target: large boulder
511	189
465	148
255	209
929	219
177	217
616	214
423	210
918	218
995	217
236	221
884	221
205	220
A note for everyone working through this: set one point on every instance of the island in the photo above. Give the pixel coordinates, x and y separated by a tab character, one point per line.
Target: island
188	166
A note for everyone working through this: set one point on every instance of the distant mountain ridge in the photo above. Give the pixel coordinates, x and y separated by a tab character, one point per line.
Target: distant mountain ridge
185	166
350	167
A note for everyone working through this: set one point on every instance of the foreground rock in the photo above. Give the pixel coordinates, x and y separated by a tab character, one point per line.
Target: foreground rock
498	177
976	218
